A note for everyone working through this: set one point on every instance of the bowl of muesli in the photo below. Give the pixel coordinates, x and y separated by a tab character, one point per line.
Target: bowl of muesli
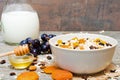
83	53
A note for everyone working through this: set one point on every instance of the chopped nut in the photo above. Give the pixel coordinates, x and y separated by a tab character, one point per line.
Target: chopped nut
33	63
42	67
2	62
32	68
42	64
35	59
81	47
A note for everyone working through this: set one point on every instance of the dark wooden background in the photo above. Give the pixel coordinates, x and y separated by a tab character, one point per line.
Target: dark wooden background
76	15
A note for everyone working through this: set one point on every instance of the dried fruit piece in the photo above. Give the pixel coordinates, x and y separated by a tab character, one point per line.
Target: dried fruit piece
32	68
108	44
75	44
61	75
75	38
82	41
93	47
64	46
59	41
81	47
35	59
12	73
28	76
34	62
42	67
50	69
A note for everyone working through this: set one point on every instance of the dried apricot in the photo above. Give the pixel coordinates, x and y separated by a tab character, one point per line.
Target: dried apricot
59	41
82	41
59	74
50	69
28	76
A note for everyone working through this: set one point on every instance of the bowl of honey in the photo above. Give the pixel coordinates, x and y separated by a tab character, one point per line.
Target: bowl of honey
21	62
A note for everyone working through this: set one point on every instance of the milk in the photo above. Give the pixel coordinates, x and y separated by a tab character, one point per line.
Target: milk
18	25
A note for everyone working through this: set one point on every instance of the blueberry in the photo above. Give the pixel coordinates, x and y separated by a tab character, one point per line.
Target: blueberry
51	35
23	42
36	43
34	52
29	40
45	46
39	48
44	37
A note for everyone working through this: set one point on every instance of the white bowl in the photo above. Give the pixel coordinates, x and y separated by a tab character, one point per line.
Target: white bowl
83	61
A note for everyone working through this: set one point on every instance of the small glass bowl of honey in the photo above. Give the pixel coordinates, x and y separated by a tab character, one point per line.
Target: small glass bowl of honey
21	62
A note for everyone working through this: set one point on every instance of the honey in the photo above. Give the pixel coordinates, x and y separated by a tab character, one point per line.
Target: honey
20	62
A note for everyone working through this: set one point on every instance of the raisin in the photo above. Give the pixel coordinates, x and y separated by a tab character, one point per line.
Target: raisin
12	73
49	57
63	42
112	71
56	44
108	44
93	47
87	38
101	44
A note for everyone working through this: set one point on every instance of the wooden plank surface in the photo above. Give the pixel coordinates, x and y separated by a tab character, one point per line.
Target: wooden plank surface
77	15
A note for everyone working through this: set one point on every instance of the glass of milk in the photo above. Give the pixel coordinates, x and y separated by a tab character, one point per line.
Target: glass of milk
19	21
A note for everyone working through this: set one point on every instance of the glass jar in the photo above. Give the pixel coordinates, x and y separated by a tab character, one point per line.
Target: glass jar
19	21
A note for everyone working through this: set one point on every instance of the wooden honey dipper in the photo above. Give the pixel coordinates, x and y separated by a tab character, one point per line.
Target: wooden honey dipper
18	51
